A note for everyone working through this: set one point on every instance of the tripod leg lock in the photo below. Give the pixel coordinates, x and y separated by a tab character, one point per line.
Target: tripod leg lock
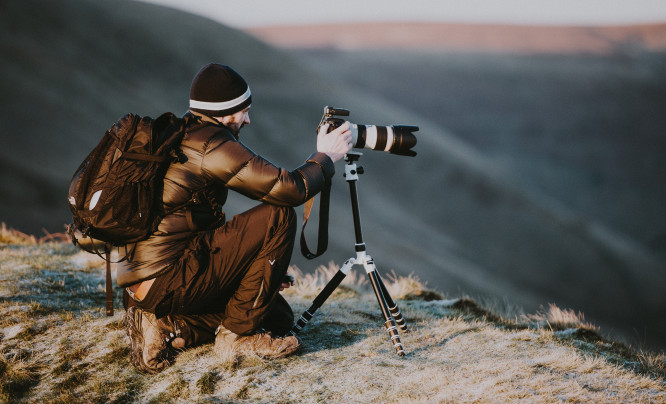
302	322
397	315
394	337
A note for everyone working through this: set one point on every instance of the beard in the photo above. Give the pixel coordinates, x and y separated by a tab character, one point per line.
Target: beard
235	129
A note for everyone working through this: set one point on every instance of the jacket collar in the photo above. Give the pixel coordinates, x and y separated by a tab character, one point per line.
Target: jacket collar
205	118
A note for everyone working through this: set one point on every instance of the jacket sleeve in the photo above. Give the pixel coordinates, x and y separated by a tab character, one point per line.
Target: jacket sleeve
228	161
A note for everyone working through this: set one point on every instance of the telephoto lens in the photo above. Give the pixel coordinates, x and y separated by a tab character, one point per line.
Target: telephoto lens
395	139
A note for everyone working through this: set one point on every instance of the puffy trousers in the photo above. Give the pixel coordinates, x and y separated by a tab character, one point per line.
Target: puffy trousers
230	276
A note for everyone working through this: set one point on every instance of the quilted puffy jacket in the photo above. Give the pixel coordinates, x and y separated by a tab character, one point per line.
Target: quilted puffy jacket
216	162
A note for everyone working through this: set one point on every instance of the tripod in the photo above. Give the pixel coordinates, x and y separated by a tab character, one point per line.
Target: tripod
392	316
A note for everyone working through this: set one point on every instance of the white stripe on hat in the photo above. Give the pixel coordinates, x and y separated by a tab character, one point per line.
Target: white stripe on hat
219	106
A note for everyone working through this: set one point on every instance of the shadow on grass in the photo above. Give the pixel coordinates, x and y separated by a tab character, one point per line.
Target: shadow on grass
332	334
440	343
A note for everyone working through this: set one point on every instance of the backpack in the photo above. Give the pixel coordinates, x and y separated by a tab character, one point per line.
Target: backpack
116	193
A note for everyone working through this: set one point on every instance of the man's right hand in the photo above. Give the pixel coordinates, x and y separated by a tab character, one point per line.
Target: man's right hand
335	144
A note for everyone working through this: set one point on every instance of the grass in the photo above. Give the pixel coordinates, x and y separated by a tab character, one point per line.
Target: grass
9	235
57	345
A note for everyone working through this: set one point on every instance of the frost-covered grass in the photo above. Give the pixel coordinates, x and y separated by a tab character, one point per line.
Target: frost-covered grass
57	345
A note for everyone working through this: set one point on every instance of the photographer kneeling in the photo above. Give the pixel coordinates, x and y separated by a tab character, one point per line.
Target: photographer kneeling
199	278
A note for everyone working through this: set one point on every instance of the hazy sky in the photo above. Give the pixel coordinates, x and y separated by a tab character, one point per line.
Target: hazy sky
251	13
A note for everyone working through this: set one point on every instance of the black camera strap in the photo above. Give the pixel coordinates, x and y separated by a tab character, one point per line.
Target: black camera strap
322	239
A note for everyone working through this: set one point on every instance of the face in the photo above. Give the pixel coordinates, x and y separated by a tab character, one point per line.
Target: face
236	121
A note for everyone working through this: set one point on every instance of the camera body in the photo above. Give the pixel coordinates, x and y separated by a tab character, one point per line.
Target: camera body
395	139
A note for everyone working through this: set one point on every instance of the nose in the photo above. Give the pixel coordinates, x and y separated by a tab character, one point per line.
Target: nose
247	119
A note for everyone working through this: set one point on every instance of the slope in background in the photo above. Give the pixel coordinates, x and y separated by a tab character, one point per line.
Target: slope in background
575	116
578	113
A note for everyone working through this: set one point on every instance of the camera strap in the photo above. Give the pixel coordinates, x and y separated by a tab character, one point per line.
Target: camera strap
322	238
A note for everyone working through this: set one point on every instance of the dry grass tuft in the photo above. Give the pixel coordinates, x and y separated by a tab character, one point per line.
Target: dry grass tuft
400	287
471	309
558	320
410	288
207	382
652	363
13	236
17	375
309	285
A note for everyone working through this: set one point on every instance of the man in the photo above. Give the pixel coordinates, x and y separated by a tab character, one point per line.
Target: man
199	277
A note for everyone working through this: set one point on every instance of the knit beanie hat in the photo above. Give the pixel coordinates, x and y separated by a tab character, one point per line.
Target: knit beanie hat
217	90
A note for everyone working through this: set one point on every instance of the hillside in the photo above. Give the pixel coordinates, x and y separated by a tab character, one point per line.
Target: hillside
583	129
450	215
575	112
57	345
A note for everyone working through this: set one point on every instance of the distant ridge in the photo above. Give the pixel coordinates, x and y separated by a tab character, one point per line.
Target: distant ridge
467	37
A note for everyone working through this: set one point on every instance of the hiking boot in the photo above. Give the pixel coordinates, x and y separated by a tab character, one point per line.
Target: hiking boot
153	341
263	344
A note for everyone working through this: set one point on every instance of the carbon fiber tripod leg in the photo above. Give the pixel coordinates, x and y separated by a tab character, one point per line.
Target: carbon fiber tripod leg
392	306
321	297
390	323
382	296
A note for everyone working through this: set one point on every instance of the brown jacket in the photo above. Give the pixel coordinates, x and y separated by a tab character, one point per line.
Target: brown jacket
216	162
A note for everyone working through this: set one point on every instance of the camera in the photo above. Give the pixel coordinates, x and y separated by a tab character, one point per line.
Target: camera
395	139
